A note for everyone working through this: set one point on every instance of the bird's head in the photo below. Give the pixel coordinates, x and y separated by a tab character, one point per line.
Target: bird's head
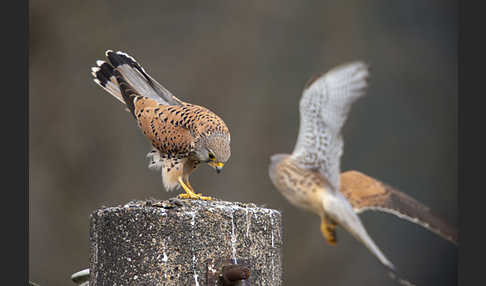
215	150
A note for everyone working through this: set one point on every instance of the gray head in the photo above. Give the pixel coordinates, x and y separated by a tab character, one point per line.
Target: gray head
214	150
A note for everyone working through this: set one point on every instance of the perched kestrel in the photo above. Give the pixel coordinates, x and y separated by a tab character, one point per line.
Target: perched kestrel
310	177
183	135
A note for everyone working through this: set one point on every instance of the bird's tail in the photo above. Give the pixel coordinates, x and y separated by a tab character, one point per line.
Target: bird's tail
341	211
133	74
104	76
108	75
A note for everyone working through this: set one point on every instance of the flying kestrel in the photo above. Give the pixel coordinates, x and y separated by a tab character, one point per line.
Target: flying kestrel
183	135
310	177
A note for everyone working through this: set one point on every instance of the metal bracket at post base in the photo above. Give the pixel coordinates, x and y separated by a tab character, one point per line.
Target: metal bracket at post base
225	272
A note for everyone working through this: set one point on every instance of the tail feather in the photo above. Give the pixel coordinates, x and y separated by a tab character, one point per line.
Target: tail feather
141	81
104	77
134	76
127	92
340	210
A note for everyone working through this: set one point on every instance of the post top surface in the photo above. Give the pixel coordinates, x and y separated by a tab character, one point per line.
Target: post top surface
189	205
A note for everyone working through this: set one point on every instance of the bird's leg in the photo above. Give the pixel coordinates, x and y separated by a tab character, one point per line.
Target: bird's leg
192	189
328	229
190	194
189	185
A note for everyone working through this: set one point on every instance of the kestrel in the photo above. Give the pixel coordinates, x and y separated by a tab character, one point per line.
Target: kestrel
310	177
182	135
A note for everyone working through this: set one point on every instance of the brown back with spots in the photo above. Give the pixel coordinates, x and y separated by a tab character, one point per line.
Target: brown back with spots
173	130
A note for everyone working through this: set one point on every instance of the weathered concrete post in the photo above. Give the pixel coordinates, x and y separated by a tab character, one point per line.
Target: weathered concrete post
185	242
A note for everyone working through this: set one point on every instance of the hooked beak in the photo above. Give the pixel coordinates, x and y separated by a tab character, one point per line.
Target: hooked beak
218	166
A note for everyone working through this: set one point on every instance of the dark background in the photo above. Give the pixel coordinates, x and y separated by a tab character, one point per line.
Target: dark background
247	61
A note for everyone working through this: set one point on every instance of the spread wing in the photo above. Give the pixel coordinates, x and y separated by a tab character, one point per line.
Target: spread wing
324	107
365	193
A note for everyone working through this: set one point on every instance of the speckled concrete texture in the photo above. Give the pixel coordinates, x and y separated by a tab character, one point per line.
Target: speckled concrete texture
184	242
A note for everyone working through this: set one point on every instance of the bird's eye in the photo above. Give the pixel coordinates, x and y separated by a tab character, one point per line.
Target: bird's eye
211	156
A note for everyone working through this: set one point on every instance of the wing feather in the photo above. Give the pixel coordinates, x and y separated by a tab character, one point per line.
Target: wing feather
324	107
366	193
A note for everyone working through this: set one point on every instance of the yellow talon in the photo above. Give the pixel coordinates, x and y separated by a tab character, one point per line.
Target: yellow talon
194	197
329	231
190	193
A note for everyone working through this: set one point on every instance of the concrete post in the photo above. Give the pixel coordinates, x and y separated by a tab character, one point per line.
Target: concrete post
185	242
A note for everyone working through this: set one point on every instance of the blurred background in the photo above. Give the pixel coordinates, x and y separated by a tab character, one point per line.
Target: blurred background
247	61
